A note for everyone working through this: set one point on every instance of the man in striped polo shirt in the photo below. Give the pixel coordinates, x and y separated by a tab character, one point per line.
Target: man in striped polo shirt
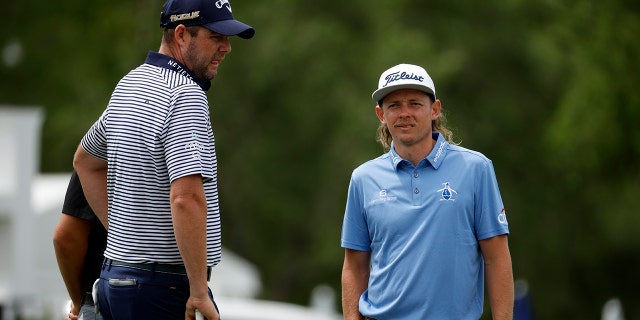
149	161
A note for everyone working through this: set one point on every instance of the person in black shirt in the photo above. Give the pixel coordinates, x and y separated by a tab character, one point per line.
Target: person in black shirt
79	241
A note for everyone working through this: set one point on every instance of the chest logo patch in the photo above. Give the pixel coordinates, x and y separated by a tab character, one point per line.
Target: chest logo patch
447	193
383	196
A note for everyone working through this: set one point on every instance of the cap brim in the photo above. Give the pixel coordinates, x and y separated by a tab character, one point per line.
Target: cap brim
231	28
383	92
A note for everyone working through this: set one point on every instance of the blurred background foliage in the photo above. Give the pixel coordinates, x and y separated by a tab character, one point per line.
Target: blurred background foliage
546	89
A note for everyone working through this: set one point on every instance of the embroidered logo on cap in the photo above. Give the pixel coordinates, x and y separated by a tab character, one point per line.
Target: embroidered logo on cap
396	76
184	16
221	3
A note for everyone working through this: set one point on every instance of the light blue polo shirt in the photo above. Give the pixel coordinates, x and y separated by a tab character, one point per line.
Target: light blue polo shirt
422	225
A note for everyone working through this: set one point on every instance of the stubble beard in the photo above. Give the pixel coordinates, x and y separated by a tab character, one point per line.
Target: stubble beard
200	64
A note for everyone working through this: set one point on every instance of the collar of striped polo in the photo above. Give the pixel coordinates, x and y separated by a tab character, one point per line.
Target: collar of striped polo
163	61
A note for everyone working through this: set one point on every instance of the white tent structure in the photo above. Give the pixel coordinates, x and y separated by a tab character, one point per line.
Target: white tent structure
30	203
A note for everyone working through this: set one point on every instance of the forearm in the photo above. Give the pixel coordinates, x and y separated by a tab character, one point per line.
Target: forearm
352	289
71	269
189	214
70	257
190	231
355	279
499	276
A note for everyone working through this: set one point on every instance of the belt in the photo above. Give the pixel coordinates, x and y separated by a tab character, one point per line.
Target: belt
155	267
87	299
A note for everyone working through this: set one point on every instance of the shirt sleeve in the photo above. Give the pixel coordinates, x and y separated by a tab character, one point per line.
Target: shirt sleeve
355	232
491	219
188	140
75	204
95	140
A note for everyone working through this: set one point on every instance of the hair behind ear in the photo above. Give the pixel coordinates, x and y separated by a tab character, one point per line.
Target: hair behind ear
167	36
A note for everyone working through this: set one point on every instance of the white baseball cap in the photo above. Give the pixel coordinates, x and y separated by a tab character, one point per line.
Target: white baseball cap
403	76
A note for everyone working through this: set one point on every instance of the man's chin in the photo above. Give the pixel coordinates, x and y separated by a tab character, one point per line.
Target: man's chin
212	74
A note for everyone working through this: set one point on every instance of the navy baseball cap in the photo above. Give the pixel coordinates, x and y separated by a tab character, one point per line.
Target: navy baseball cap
214	15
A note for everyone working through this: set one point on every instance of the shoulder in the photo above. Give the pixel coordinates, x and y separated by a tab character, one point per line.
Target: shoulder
458	153
373	166
157	78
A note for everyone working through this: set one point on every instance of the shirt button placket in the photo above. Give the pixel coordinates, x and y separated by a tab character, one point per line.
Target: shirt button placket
416	190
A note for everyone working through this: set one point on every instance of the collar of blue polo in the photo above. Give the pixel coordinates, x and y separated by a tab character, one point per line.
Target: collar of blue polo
435	157
163	61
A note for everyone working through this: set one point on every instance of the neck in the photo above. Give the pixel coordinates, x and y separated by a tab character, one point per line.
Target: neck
414	153
171	51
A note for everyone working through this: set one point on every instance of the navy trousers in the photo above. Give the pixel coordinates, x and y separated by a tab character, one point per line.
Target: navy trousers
126	293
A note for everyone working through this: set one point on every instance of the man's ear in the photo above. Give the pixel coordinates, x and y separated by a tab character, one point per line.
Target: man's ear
436	107
380	113
180	33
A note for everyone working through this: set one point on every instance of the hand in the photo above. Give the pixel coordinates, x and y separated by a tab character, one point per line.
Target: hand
71	316
73	312
204	305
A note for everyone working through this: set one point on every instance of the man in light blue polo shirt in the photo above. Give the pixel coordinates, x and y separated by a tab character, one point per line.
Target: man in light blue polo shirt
424	224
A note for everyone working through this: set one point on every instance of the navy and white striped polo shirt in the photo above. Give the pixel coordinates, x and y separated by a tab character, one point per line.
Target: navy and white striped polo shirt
155	129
